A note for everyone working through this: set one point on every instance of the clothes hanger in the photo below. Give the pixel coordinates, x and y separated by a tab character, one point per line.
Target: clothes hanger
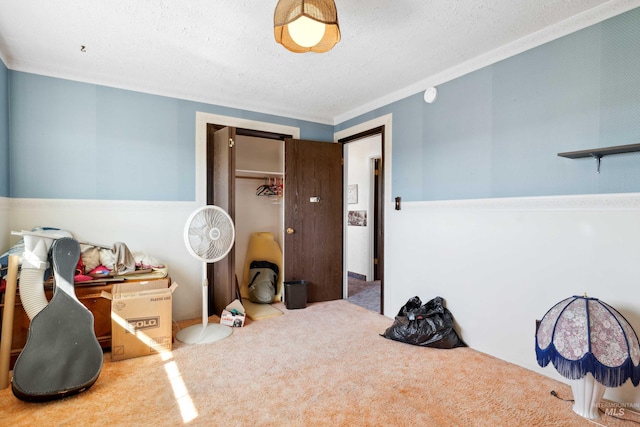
266	189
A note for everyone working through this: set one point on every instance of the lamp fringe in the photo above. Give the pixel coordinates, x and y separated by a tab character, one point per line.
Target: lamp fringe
575	369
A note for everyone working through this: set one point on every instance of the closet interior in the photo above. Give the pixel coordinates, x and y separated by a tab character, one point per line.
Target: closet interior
259	191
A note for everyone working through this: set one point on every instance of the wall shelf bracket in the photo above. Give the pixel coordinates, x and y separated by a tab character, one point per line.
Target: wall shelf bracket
598	158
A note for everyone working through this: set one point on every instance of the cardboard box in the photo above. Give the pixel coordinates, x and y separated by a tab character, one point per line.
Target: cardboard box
233	315
141	320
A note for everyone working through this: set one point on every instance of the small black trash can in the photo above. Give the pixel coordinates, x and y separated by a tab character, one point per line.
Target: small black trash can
295	294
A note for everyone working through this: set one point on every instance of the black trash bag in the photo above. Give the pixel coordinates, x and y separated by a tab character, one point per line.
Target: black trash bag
428	325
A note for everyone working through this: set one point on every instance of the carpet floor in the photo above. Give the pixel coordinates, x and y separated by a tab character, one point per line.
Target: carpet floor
325	365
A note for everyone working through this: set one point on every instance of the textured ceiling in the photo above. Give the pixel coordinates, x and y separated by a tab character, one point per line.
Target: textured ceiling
223	51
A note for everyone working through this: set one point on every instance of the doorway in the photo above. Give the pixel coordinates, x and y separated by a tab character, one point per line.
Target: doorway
364	248
203	184
313	211
381	125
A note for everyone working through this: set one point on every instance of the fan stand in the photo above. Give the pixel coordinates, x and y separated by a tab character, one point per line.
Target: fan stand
207	332
203	334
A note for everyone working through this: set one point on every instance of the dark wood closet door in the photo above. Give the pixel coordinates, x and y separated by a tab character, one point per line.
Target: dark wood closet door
313	242
221	192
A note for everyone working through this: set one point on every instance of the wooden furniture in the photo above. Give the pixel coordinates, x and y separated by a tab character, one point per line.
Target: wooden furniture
88	294
10	291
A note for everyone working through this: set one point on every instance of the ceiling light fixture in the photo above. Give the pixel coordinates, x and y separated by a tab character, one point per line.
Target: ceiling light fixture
306	25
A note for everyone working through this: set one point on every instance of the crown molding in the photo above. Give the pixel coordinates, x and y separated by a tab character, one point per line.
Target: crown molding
571	25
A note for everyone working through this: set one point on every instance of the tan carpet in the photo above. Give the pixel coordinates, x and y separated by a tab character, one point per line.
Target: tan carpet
322	365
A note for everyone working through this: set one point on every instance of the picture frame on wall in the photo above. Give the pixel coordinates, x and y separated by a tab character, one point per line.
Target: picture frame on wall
352	193
357	218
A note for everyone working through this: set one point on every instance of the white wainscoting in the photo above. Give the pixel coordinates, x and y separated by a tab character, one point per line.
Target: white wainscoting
500	264
152	227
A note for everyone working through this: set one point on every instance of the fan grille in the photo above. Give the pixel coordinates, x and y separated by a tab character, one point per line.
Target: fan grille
210	234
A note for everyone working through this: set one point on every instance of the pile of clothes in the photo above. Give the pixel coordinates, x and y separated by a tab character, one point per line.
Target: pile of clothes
98	262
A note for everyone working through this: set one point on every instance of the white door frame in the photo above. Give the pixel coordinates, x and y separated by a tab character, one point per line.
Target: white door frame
385	121
202	119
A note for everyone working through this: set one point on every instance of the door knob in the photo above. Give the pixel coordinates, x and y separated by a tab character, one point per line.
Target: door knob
290	230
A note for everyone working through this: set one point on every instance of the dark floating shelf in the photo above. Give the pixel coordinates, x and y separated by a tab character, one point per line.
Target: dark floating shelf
598	153
595	152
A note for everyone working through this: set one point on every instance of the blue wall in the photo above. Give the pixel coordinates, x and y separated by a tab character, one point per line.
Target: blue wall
4	130
83	141
496	132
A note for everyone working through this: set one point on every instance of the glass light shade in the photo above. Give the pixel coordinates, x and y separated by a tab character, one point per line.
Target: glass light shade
306	32
306	25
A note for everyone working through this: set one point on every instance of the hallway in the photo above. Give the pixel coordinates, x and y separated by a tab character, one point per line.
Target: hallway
365	294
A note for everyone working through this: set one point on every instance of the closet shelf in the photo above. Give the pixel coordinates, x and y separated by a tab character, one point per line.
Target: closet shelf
247	173
598	153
